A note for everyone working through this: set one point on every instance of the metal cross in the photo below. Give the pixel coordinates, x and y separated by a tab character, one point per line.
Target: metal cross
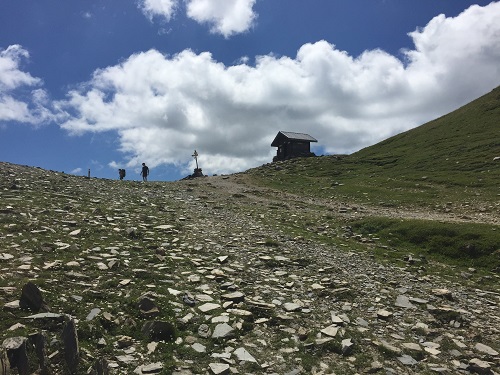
195	156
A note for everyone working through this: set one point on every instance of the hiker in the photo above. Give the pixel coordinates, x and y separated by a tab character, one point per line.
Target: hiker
145	172
121	173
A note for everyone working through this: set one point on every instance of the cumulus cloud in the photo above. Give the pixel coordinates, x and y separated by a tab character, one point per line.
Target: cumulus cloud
158	8
225	17
164	107
19	101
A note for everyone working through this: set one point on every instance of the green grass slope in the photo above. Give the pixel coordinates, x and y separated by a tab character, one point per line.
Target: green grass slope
445	170
463	141
446	161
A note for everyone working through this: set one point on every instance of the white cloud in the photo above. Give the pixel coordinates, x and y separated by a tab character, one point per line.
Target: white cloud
10	75
158	8
164	107
76	171
17	101
225	17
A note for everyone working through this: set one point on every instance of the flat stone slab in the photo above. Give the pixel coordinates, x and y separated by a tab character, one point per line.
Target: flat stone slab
219	368
330	330
152	368
222	330
485	349
291	306
164	226
243	355
199	347
404	301
384	314
337	319
208	307
407	360
234	296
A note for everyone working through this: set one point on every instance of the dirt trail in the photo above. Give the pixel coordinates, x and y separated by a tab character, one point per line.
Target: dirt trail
242	184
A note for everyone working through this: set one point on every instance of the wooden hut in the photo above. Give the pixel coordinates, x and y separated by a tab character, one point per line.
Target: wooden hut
292	145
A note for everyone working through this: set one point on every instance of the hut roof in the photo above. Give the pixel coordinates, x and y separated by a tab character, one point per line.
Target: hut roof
281	136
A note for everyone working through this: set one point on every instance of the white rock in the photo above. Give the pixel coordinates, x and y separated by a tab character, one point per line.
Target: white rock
384	314
208	307
199	347
330	330
164	226
290	306
243	355
219	368
485	349
75	232
337	319
222	330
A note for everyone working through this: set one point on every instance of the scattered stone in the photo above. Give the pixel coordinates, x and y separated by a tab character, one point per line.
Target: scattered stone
479	366
124	342
291	306
189	300
337	320
17	353
39	340
219	368
331	330
158	330
407	360
234	296
222	330
208	307
375	366
229	291
93	313
71	347
75	232
152	368
387	346
443	293
199	347
404	301
204	331
347	347
384	314
243	355
100	367
485	349
148	307
32	299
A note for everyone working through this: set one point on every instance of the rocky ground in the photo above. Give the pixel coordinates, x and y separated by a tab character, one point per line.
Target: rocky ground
217	276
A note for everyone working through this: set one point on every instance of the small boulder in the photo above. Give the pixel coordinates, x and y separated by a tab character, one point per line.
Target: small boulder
32	299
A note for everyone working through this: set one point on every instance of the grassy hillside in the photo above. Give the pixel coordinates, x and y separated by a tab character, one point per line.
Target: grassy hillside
448	161
462	142
434	189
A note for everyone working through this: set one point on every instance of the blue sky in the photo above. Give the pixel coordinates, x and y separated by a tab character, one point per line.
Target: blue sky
113	83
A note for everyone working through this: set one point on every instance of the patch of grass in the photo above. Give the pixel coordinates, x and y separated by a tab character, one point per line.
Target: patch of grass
463	244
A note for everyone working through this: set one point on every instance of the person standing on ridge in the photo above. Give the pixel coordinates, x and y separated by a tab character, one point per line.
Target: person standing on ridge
121	173
145	172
